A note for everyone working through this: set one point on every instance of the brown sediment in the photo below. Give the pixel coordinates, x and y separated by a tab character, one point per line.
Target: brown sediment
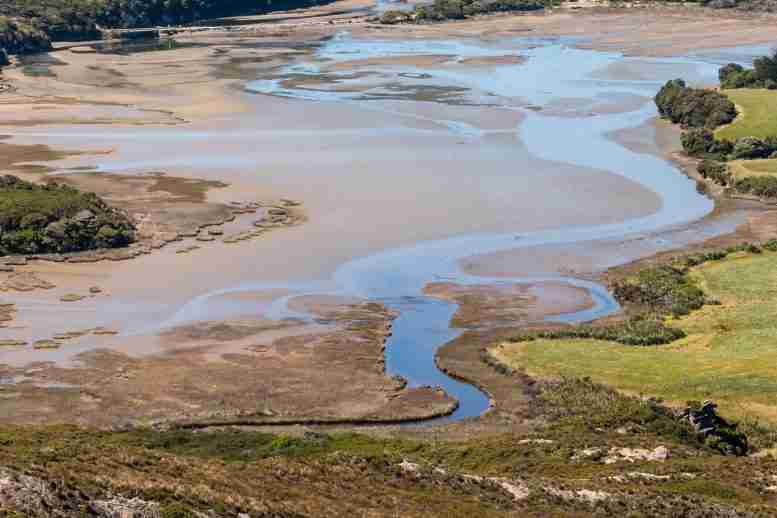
231	372
196	380
17	157
657	30
488	305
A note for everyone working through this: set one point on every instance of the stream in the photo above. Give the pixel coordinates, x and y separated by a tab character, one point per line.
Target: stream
552	69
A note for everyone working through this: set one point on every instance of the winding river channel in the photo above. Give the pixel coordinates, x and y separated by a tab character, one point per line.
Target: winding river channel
352	71
413	157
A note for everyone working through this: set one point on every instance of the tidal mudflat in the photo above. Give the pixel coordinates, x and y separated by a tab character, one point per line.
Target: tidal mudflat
418	161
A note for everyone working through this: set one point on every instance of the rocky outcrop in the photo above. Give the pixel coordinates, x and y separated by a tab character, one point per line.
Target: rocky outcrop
716	431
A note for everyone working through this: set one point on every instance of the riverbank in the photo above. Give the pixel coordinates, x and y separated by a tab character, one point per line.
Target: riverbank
188	100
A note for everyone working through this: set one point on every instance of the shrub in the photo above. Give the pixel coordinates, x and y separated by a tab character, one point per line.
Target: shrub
636	331
394	17
57	218
701	142
749	148
694	107
440	10
762	75
17	37
715	171
764	186
662	289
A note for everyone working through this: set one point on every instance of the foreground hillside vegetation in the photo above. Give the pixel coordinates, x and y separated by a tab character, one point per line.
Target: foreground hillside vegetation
600	454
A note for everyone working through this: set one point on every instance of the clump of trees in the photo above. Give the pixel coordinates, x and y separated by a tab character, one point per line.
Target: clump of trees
701	142
441	10
662	290
762	75
763	186
766	6
715	171
79	19
694	107
17	38
57	218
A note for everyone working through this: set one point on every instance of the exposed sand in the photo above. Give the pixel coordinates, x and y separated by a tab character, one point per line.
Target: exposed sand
482	306
370	179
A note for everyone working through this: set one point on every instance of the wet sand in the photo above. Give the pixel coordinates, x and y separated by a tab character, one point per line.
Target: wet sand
372	177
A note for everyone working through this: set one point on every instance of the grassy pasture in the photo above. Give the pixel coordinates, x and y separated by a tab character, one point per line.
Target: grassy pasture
744	168
729	354
757	114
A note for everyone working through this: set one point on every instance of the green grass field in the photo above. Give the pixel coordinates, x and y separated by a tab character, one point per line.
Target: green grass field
743	168
729	355
757	114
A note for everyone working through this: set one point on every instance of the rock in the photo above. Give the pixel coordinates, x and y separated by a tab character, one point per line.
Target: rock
120	507
638	475
408	467
277	212
95	290
83	215
215	232
290	203
205	237
660	454
71	297
536	441
589	453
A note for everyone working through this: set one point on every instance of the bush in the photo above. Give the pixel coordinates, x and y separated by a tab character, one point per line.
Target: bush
636	331
694	107
715	171
394	17
762	75
441	10
662	289
750	148
702	143
57	218
763	186
17	38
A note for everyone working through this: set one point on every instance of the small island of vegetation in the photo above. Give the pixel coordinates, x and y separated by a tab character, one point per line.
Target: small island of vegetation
53	218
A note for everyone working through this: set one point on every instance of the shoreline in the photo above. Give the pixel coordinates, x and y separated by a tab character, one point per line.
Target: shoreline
227	87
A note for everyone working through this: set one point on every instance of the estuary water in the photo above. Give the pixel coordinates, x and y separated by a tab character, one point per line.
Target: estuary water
411	156
350	71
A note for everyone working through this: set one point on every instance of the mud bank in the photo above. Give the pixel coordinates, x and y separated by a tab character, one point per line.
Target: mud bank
419	154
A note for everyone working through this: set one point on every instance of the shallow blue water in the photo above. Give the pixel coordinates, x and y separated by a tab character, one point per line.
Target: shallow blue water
554	70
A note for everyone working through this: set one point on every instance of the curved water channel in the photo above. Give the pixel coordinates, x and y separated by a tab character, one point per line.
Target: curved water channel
552	69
